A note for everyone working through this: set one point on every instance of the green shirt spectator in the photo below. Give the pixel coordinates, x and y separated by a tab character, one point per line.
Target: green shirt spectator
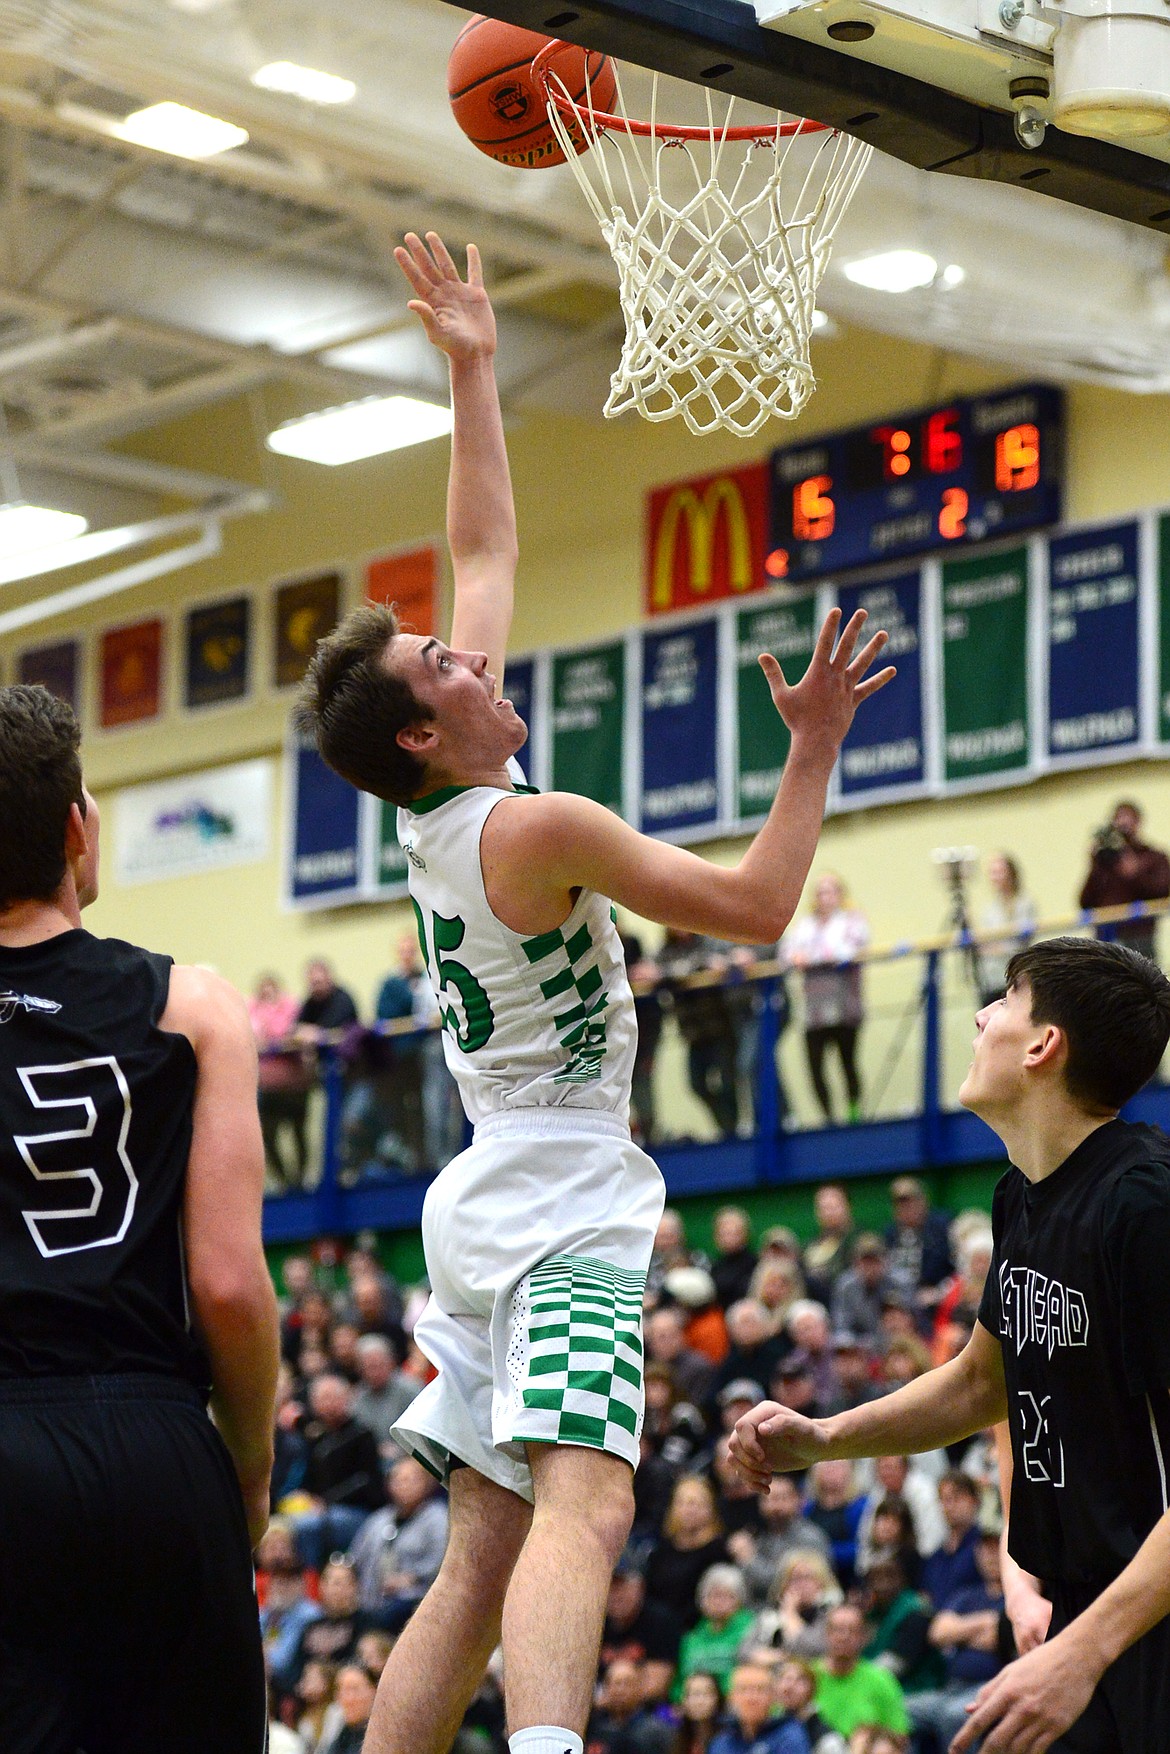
898	1628
725	1622
851	1692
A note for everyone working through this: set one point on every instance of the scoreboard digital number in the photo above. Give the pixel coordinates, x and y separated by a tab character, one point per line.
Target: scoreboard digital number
979	467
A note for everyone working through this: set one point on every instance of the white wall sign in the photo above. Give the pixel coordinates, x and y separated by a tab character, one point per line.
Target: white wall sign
193	823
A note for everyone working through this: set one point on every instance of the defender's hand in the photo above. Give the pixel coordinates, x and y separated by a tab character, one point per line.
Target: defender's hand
1031	1702
1030	1614
823	702
771	1439
456	314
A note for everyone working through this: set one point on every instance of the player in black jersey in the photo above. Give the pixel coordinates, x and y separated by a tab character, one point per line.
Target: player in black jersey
133	1287
1072	1347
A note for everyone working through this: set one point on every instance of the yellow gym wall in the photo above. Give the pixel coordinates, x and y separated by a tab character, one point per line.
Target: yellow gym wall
580	487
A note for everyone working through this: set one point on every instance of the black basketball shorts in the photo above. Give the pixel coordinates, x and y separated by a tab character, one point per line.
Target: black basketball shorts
1130	1711
128	1620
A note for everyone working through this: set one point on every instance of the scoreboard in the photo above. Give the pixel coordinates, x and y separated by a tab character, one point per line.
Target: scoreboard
976	468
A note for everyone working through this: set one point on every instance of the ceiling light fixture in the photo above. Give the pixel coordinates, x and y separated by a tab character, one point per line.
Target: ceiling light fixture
361	429
953	275
892	270
24	528
184	133
306	82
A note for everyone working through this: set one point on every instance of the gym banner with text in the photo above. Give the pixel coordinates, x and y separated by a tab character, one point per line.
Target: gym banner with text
789	631
1094	691
884	756
680	743
589	723
986	718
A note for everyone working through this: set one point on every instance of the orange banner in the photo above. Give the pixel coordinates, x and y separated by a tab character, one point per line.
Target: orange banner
706	538
131	674
410	581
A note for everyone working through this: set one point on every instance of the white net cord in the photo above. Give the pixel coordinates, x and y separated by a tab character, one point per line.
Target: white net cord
720	246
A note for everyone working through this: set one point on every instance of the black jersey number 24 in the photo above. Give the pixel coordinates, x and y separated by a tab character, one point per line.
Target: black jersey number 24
87	1187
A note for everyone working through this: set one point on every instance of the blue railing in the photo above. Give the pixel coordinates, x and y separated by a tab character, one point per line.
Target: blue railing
920	1016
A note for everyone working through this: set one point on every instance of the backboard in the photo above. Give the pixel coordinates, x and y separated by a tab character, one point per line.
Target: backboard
966	87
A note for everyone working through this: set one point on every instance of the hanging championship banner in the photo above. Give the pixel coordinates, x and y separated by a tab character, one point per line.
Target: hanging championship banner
410	581
789	631
305	611
680	771
985	665
218	650
56	667
324	860
130	673
885	751
1093	689
706	538
588	723
520	689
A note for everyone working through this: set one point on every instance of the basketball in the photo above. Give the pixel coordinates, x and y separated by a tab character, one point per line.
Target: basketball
499	105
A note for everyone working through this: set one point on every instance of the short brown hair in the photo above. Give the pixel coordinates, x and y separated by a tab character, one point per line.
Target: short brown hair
1113	1006
354	706
40	781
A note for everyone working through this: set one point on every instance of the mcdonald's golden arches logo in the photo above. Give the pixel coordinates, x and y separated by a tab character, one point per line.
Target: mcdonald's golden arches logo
706	539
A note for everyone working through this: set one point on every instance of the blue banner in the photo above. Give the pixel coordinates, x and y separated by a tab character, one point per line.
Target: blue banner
886	746
325	860
680	775
519	688
1093	689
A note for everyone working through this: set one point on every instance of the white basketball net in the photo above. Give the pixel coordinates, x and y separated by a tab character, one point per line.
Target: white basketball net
720	247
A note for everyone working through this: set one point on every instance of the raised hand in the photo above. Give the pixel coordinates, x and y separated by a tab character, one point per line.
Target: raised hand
822	704
456	314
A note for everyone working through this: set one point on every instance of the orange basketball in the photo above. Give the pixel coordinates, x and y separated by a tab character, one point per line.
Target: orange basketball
499	105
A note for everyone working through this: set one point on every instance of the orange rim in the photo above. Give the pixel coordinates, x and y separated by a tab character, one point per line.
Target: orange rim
604	122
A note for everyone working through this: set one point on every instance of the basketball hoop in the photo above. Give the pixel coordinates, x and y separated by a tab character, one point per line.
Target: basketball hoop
719	250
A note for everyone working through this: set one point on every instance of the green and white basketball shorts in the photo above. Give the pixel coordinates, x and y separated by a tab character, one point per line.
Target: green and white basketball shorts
537	1242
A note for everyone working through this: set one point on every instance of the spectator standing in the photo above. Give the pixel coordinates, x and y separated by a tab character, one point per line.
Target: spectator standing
828	1254
385	1391
953	1565
692	1540
967	1630
824	945
704	1021
621	1722
734	1260
1012	912
401	999
1123	868
753	1729
785	1530
285	1078
850	1691
861	1290
640	1630
644	975
724	1619
343	1472
326	1005
699	1712
919	1242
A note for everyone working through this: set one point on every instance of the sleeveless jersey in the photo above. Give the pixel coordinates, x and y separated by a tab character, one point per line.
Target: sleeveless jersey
545	1021
95	1130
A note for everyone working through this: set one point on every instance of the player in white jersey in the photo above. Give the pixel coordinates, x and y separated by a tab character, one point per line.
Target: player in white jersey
538	1236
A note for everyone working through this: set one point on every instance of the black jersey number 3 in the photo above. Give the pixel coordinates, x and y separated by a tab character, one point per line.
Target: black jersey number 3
85	1174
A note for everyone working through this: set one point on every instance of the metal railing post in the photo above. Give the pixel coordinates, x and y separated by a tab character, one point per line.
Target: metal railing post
931	1058
328	1194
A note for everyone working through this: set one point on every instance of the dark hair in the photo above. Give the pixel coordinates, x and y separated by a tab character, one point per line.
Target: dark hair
354	706
40	781
958	1481
1113	1006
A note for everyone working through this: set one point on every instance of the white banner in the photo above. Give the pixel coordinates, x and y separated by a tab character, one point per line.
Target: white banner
196	822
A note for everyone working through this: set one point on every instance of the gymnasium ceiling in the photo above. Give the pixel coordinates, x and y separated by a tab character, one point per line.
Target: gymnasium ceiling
136	287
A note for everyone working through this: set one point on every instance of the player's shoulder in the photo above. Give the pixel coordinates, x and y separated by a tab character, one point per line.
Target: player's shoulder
203	1005
1137	1183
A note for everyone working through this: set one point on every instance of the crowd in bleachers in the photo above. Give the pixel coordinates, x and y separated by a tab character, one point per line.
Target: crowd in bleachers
853	1610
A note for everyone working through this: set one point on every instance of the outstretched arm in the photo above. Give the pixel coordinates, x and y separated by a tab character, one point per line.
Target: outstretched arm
537	851
481	519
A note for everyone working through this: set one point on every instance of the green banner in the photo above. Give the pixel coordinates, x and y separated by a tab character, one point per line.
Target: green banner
789	632
588	723
390	874
985	665
1164	628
